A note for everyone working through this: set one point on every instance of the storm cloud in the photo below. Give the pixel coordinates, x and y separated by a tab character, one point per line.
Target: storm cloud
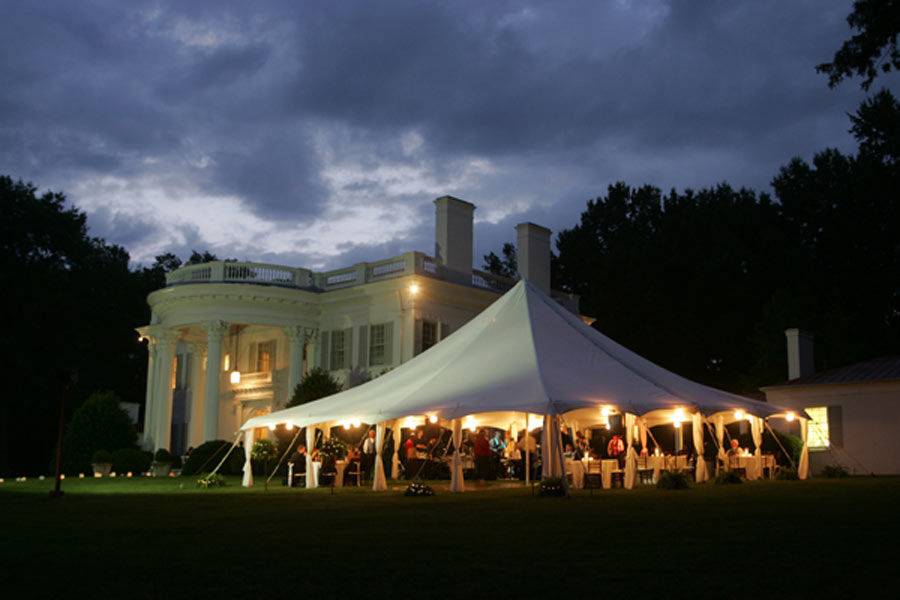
317	133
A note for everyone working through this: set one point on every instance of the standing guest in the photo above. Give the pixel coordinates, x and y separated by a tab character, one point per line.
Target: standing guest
298	460
498	447
387	452
408	456
482	456
513	459
528	446
368	455
616	449
352	472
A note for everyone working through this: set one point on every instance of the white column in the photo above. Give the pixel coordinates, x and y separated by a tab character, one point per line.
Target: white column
720	437
248	466
551	454
195	431
215	331
700	472
296	337
630	455
803	466
457	483
395	459
149	404
310	444
756	425
379	483
166	341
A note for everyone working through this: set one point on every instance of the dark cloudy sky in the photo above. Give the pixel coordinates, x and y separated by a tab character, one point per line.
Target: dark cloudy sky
317	133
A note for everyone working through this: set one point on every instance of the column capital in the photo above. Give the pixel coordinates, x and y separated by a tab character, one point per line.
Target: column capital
159	336
295	333
197	348
215	330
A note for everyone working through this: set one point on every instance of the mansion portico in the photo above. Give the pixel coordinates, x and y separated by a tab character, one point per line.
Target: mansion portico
231	340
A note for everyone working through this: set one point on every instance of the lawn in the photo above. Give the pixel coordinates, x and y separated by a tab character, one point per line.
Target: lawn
166	539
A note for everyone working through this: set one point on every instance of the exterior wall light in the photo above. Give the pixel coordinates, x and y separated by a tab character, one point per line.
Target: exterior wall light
235	377
413	289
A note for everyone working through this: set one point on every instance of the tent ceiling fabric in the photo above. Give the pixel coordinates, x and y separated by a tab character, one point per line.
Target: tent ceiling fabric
523	354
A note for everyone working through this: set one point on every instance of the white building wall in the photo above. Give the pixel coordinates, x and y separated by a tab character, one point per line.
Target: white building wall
870	423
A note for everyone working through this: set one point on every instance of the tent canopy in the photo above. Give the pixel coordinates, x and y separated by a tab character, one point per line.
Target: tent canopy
523	354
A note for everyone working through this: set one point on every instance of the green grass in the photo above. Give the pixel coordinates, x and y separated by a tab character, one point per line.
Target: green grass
148	538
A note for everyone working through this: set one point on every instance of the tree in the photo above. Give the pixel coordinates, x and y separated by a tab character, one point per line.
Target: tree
317	383
873	49
505	267
876	126
98	424
197	258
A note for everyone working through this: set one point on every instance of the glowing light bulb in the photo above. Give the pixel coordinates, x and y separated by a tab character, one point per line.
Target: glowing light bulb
604	412
679	414
677	424
272	426
356	422
790	416
345	425
235	377
288	425
433	419
739	414
413	289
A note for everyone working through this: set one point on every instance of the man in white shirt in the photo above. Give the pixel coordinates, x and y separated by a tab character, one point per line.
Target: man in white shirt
368	454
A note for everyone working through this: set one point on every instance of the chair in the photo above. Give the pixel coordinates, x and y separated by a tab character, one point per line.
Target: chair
734	464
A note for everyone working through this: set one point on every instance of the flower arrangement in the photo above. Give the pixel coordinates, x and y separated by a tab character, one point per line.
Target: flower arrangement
333	448
213	480
418	489
552	486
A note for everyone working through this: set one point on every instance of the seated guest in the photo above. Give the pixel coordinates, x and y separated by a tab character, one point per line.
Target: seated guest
735	449
569	451
352	469
513	459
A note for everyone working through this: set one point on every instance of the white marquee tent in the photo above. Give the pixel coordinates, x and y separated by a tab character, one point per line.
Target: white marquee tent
525	359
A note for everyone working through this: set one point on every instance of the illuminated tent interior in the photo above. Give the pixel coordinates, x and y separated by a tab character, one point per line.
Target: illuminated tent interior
526	361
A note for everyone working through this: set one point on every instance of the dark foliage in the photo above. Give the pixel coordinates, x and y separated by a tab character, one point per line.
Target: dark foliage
835	472
552	486
705	282
873	49
508	266
207	455
163	456
786	474
98	424
317	383
673	480
727	477
102	457
131	459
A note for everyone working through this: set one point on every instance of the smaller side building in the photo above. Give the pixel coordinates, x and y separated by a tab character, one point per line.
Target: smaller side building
854	410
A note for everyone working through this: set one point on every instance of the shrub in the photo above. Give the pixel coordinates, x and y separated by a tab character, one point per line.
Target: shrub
207	455
552	486
791	443
835	472
786	474
418	489
163	456
212	480
727	477
101	457
673	480
316	384
98	424
131	459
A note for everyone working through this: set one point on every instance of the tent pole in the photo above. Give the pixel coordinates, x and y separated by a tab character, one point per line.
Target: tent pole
527	454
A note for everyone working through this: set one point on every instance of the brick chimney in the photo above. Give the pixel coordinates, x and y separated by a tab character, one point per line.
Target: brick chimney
533	254
453	237
799	353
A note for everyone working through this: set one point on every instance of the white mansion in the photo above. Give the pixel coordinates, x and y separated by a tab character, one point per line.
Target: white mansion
231	340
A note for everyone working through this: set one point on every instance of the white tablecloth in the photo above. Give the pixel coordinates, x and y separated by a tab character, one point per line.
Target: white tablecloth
576	469
339	466
607	466
316	467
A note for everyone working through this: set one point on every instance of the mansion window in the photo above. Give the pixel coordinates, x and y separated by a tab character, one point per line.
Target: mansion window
338	356
429	334
377	352
265	356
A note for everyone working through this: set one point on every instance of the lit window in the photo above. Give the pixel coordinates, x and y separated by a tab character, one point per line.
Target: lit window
376	345
227	365
429	334
817	436
265	356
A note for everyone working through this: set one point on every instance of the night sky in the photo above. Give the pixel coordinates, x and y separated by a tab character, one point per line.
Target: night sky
317	133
